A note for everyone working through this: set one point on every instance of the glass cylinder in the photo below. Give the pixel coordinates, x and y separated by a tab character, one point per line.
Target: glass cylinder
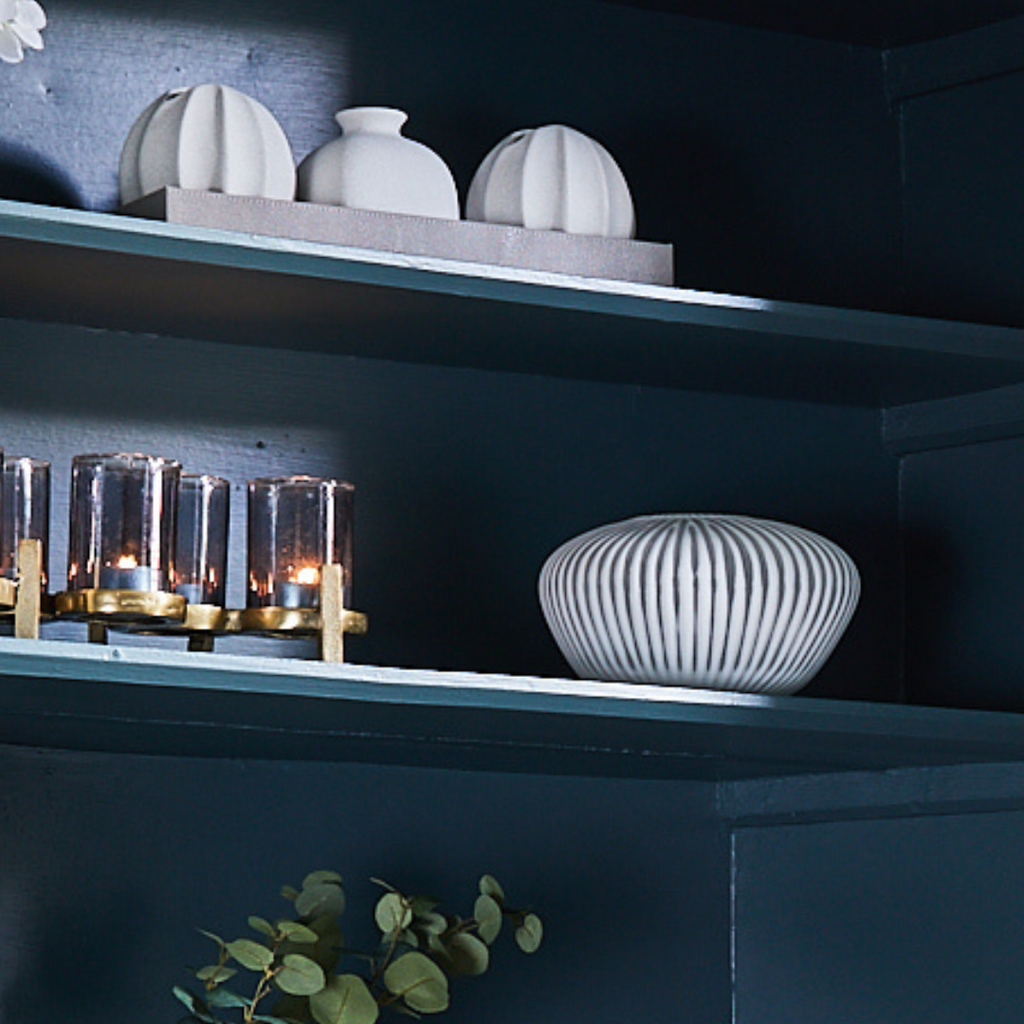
24	511
297	524
122	527
201	548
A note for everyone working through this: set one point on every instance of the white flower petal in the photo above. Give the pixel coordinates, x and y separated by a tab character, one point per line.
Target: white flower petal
8	10
31	14
29	36
10	46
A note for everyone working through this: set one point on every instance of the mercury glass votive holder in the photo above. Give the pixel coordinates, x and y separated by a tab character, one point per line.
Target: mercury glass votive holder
201	547
24	511
122	522
297	524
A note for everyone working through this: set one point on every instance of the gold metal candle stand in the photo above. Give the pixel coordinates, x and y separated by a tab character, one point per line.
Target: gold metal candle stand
203	623
24	598
159	613
330	622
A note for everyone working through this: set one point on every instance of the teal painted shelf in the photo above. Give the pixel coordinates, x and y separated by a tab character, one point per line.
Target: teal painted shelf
114	272
80	697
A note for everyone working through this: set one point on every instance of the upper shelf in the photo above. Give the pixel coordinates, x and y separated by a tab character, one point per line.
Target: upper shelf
109	271
139	700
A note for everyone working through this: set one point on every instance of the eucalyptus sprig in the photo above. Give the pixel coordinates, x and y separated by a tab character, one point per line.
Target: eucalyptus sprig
296	962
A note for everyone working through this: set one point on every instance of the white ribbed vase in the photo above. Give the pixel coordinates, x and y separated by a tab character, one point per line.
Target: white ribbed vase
208	137
552	179
716	601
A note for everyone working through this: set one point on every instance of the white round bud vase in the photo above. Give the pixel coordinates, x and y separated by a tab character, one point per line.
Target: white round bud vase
372	166
552	179
208	137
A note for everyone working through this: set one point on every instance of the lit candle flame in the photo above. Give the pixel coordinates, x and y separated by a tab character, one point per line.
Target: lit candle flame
127	562
308	575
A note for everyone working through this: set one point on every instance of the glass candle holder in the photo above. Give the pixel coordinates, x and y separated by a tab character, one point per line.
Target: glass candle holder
24	511
122	527
297	524
201	547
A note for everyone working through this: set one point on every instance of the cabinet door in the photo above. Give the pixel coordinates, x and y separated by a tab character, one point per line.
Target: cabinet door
880	922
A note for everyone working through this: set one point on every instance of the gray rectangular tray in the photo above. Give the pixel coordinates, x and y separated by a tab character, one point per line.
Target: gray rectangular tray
617	259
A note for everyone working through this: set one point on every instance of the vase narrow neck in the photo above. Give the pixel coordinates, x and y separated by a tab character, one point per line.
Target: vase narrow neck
376	120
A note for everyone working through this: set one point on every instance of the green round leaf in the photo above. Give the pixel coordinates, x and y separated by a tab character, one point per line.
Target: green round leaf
300	976
488	917
345	1000
432	923
490	886
320	899
296	932
223	999
251	955
468	954
264	927
419	981
393	913
215	974
320	877
422	905
529	934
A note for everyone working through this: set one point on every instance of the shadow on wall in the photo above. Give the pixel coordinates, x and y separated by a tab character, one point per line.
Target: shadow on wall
29	177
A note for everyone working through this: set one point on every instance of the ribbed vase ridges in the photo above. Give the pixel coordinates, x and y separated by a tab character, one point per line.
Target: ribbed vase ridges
716	601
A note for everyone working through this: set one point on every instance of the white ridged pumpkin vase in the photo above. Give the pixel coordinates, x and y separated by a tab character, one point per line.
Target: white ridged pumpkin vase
716	601
552	179
208	137
373	166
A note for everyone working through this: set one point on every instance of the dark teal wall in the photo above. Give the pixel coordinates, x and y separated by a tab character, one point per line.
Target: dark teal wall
108	865
960	102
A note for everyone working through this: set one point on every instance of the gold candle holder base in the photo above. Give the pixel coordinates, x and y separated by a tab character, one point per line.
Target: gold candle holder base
116	607
330	622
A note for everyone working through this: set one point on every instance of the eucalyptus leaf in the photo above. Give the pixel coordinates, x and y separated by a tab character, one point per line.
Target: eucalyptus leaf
190	999
488	917
320	877
216	938
419	981
468	954
490	886
296	932
393	913
226	999
258	924
253	956
197	1007
383	884
530	933
322	898
432	923
289	892
345	1000
215	974
422	906
300	976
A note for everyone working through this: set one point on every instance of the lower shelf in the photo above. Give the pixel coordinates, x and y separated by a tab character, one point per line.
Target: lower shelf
80	697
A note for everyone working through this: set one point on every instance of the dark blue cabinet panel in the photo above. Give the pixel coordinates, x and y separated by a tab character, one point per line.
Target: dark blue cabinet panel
880	922
965	563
